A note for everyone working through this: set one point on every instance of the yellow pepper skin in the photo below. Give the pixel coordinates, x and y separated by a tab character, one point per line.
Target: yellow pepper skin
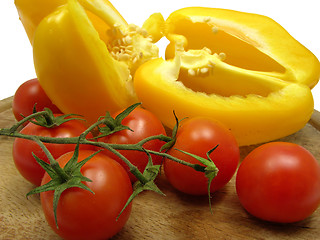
81	69
273	110
249	41
31	12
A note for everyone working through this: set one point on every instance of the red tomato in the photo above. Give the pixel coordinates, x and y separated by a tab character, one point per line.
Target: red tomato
279	182
22	148
198	136
144	124
29	94
83	215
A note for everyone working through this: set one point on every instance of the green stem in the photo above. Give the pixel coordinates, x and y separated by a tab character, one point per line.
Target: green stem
139	145
92	127
55	165
8	133
110	147
160	137
196	167
133	169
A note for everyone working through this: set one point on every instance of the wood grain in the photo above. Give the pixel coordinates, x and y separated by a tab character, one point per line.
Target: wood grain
175	216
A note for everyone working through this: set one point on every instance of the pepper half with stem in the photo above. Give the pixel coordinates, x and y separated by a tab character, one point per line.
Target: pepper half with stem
86	54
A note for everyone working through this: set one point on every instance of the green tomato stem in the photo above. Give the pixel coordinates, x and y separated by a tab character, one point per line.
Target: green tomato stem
133	169
110	147
54	164
12	132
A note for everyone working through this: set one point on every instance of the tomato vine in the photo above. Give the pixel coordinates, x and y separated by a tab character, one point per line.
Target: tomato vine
110	125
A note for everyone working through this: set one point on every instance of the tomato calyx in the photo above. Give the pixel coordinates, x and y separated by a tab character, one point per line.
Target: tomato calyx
49	120
46	118
210	170
61	178
150	173
112	125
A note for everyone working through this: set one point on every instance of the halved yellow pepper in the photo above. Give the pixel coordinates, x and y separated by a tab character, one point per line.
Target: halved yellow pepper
241	69
255	107
85	56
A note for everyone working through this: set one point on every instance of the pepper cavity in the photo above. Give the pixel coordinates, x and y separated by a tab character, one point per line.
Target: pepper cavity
131	44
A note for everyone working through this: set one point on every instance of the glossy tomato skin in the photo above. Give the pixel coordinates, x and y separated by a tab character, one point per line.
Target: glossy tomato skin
198	136
83	215
144	124
27	95
22	148
279	182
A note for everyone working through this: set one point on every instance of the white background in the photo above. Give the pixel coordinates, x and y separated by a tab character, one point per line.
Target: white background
300	18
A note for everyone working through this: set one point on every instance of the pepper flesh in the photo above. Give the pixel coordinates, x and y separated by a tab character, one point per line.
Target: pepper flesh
249	41
85	55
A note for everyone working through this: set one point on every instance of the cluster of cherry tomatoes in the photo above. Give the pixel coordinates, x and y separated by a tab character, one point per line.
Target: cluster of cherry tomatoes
277	181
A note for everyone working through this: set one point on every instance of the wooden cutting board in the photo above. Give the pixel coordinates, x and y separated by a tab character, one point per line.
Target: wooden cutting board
176	216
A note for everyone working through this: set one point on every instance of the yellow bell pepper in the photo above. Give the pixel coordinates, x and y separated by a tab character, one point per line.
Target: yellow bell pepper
241	69
85	55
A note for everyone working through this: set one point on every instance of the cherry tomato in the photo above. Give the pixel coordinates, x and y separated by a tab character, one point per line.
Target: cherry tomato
144	124
29	94
83	215
279	182
22	148
198	136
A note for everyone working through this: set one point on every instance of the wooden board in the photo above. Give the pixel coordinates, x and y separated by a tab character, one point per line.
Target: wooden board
176	216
